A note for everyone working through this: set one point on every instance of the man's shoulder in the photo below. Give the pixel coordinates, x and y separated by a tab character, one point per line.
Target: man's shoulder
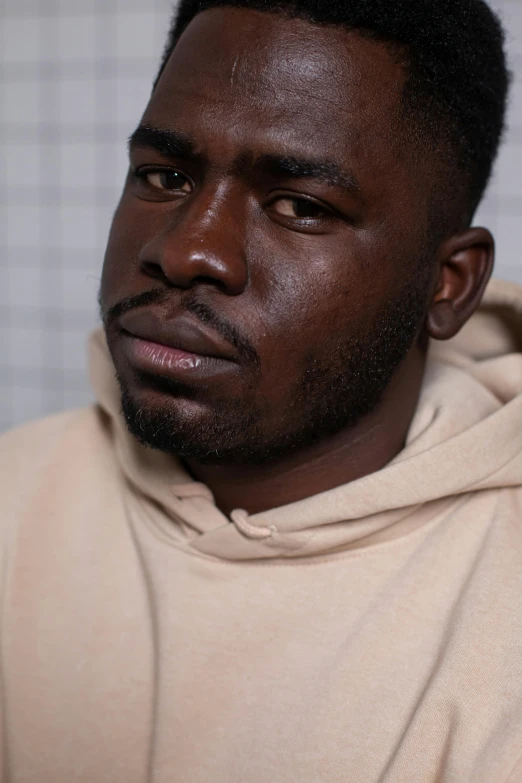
60	441
33	441
52	467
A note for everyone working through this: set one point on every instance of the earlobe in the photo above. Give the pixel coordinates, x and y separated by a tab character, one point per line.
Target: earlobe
465	265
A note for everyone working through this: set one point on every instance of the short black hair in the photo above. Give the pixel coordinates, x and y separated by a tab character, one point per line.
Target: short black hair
458	81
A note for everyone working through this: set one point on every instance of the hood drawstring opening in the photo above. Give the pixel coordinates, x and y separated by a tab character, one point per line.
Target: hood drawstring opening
240	518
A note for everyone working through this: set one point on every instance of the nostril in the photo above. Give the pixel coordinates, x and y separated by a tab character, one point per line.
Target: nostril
151	269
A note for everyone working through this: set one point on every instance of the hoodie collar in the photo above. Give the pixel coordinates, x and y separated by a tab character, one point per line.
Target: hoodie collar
464	437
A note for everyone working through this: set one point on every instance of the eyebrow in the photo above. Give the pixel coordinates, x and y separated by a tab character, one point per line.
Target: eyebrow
302	168
171	143
175	144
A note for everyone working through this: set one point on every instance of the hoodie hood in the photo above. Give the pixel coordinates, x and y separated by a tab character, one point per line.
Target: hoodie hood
465	437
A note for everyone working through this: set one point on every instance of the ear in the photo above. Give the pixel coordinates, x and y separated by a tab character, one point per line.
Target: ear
465	264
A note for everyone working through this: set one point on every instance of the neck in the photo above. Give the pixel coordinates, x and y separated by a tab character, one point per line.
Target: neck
345	457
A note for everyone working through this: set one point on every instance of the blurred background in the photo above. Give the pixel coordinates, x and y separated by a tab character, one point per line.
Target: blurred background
75	76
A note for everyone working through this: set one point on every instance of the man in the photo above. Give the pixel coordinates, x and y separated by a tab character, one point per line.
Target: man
286	544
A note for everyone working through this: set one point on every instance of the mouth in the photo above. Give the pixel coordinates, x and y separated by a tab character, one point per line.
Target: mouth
178	349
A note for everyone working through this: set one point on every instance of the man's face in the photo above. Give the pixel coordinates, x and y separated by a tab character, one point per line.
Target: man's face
272	236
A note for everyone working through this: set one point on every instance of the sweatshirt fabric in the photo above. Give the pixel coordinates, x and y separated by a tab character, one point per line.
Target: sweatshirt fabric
369	634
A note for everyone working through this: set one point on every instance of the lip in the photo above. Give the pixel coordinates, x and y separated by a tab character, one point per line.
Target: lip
180	348
182	333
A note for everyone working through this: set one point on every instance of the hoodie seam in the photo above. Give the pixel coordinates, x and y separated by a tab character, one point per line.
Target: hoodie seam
274	560
516	769
470	487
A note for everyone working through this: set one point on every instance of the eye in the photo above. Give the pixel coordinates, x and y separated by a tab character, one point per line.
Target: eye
299	208
166	179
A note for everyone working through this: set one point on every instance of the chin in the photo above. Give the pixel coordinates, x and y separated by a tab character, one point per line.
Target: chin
186	427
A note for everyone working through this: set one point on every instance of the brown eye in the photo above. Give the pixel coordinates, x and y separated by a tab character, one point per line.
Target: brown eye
167	180
298	208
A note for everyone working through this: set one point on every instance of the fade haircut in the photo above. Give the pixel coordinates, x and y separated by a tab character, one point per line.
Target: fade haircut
455	95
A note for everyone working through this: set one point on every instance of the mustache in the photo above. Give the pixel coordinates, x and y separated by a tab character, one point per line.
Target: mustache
190	304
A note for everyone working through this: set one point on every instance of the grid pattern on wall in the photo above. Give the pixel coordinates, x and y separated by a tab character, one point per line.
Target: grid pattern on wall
74	78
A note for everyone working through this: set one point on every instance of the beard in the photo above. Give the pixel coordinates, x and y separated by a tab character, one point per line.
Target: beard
329	395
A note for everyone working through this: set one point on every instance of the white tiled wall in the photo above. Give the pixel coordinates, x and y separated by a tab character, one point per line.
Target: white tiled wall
74	78
501	210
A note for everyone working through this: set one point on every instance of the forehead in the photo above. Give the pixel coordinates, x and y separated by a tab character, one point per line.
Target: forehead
257	79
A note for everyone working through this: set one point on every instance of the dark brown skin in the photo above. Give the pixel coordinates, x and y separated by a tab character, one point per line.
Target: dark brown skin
244	84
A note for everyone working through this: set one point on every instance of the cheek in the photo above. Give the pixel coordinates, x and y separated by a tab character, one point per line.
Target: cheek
319	297
303	303
120	276
309	282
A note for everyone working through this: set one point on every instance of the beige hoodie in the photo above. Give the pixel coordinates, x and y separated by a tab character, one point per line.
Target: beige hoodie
370	634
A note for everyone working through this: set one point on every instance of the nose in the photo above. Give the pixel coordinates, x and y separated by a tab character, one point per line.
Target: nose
201	241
